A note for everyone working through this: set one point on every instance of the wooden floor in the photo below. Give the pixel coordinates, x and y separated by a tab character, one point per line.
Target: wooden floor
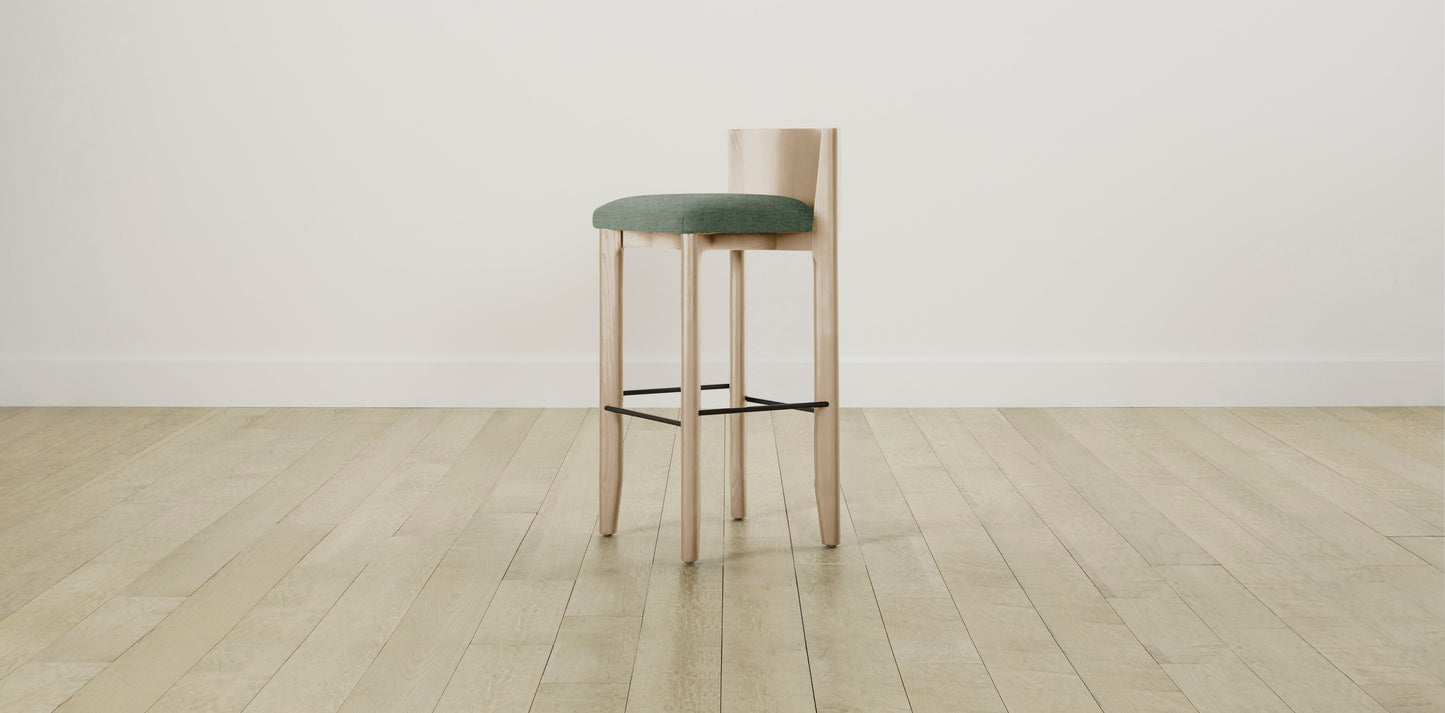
314	560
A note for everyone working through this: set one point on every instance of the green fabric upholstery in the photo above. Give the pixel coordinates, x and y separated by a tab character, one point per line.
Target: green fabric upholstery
706	213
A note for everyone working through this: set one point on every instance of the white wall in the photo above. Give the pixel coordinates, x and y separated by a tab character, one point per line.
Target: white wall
366	202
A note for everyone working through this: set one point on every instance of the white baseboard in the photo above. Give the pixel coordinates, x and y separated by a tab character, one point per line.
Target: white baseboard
37	382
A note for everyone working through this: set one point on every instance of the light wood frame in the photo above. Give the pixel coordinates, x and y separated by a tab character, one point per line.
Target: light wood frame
798	163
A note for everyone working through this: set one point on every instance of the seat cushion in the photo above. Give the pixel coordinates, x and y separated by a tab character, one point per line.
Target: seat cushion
706	213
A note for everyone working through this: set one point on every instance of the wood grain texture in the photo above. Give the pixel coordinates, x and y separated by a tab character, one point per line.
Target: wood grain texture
234	670
937	465
609	473
1425	474
852	664
148	669
1119	671
690	435
1350	497
522	484
724	241
1429	549
825	336
59	472
581	698
189	566
593	649
679	644
1409	494
615	571
1297	673
323	670
411	671
737	390
990	560
32	624
28	466
764	649
40	686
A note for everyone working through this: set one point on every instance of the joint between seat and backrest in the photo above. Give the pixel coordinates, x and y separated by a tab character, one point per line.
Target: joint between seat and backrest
797	163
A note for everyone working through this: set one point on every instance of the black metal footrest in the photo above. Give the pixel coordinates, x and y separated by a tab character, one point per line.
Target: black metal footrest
768	406
640	414
763	404
806	406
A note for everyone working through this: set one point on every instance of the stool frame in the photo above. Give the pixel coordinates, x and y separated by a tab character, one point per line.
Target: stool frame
798	163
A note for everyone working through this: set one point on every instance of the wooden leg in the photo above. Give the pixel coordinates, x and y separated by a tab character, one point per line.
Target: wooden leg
609	465
691	401
825	387
737	478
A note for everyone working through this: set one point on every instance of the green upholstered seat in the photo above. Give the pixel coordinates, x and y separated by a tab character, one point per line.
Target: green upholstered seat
706	213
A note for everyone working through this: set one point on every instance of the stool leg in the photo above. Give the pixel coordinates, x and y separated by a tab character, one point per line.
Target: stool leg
691	401
737	480
825	387
609	465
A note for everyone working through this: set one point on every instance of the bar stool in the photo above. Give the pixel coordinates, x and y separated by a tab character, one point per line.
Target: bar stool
782	195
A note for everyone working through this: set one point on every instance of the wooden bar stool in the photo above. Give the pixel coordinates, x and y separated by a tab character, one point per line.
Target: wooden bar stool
782	195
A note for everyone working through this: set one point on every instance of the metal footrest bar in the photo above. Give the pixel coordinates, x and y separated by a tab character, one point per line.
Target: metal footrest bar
775	406
766	406
671	390
800	407
640	414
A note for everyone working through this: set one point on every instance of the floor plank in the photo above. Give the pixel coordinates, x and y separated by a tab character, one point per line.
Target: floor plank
1021	655
1413	497
1119	672
40	686
189	566
231	673
411	671
615	570
1429	549
849	656
322	671
148	669
269	448
71	437
1296	672
1317	565
503	663
1394	434
105	453
1270	576
677	665
93	514
1427	475
581	698
1323	518
23	421
1146	530
1357	500
764	649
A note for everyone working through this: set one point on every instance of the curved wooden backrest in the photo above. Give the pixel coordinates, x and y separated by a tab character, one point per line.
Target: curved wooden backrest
798	163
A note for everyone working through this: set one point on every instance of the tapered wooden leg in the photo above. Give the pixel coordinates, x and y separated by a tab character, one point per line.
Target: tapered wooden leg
825	387
609	464
691	401
737	478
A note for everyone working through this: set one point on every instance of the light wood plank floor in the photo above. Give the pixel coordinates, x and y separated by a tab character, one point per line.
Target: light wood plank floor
316	560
